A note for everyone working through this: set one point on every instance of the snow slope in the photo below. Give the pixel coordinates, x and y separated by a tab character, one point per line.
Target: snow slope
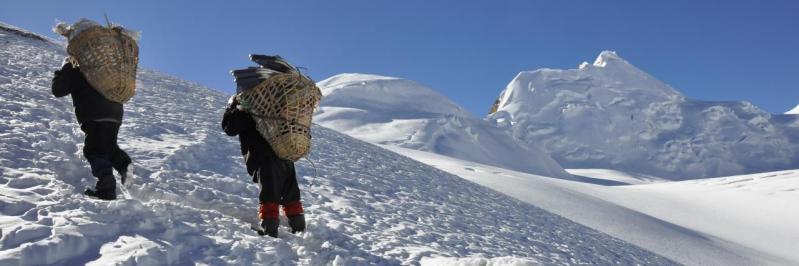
191	198
612	115
736	220
387	110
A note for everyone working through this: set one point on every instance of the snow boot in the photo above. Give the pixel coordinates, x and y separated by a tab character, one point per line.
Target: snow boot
297	223
269	227
294	212
105	189
269	213
103	196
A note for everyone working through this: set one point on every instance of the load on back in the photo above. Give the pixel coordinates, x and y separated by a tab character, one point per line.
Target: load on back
107	56
282	101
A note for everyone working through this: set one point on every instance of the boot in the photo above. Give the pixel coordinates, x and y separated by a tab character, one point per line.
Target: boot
294	212
269	213
269	227
105	189
297	223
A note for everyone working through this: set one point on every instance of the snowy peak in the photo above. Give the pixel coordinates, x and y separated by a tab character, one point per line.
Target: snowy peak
615	69
610	114
348	78
384	94
794	111
608	81
606	57
610	62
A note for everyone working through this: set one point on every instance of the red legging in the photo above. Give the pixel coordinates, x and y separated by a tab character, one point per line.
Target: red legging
270	210
278	182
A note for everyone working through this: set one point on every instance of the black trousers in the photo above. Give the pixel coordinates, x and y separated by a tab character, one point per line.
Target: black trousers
278	182
101	149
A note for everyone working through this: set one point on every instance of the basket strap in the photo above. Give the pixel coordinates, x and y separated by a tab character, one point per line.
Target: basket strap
121	46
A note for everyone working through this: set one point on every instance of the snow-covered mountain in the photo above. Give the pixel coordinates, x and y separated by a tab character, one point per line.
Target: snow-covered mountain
610	114
191	199
400	112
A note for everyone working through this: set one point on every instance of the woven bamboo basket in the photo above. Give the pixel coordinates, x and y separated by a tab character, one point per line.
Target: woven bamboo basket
282	107
108	59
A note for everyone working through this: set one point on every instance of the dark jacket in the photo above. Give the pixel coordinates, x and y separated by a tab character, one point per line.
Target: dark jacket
256	150
89	104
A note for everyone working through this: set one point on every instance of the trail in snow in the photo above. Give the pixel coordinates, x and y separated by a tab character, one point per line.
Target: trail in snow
191	196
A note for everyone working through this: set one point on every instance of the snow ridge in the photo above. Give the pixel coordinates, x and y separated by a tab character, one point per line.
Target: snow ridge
25	33
400	112
385	94
191	199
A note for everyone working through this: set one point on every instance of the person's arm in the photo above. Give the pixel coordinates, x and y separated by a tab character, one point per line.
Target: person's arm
233	118
62	81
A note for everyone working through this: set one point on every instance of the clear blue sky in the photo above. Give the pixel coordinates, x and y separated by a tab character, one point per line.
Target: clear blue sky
467	50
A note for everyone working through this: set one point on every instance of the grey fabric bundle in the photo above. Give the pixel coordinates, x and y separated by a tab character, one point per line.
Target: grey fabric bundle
249	77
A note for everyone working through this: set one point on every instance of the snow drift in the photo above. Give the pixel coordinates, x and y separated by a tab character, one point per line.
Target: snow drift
191	199
400	112
610	114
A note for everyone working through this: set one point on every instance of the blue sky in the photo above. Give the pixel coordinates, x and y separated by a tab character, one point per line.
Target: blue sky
467	50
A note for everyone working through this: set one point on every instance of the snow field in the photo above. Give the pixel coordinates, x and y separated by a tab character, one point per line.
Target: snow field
736	220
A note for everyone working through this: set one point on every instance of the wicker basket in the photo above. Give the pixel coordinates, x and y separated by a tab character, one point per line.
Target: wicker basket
283	106
108	59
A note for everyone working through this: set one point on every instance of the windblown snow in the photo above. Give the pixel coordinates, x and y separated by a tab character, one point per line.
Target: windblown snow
191	201
400	112
612	115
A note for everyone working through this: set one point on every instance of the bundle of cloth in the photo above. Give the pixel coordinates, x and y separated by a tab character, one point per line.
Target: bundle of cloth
269	65
71	31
